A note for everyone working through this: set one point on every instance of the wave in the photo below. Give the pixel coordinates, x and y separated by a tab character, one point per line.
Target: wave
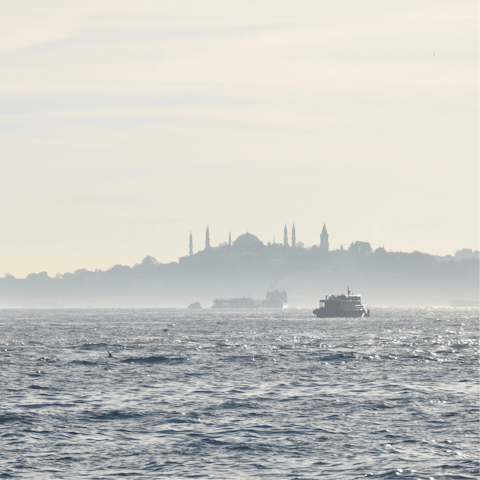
38	387
113	415
83	362
16	418
92	346
154	359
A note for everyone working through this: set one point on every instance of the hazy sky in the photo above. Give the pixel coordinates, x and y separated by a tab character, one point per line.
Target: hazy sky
124	125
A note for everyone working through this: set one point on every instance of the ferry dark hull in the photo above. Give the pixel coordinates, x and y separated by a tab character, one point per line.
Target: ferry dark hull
326	313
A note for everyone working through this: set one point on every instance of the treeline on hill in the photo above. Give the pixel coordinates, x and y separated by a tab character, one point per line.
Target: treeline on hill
383	278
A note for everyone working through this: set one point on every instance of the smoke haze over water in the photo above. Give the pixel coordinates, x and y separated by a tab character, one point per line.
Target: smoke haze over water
383	278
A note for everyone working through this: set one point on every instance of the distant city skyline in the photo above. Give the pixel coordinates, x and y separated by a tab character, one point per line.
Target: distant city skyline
291	242
246	266
198	242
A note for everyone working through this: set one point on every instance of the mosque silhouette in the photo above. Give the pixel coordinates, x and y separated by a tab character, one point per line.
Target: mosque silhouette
248	246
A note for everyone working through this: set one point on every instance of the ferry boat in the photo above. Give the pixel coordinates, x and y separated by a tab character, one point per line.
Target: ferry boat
244	302
273	299
342	306
195	305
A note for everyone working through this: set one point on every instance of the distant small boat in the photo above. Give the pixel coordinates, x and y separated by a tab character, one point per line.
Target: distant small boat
342	306
195	305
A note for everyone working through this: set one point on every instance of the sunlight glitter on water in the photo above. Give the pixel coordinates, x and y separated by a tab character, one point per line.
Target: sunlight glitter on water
271	394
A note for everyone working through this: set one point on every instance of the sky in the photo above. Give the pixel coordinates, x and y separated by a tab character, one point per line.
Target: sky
124	126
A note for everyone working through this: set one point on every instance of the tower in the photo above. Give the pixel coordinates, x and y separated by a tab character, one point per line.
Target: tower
294	240
285	236
324	240
207	239
190	250
229	239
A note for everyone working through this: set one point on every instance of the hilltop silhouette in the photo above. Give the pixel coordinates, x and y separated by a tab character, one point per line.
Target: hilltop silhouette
249	267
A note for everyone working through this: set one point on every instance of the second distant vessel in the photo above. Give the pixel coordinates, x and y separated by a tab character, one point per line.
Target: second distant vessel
342	306
244	302
273	299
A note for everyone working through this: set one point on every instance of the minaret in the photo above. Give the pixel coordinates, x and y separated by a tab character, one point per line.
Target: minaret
207	239
190	250
294	240
285	236
229	239
324	240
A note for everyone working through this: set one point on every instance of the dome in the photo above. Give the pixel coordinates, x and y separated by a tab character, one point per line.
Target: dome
247	239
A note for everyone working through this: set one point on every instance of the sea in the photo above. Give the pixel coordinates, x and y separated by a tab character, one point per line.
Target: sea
240	394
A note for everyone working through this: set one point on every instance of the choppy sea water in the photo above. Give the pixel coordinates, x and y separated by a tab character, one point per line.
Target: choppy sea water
239	394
